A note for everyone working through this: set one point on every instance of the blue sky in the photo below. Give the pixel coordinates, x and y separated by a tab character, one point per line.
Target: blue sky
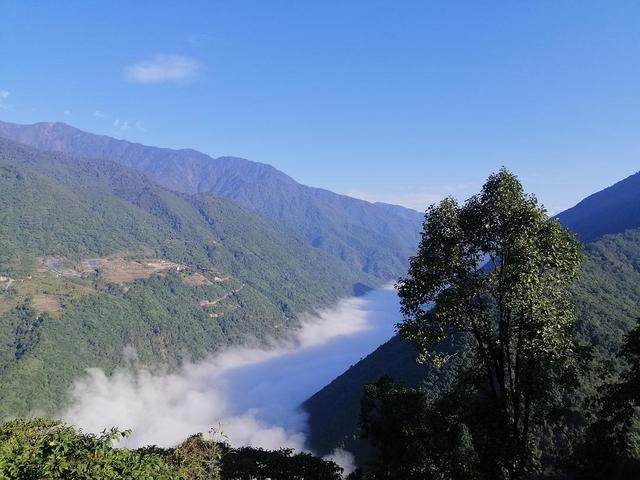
400	101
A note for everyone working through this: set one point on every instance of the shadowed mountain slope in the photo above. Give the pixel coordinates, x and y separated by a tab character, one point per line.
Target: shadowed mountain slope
612	210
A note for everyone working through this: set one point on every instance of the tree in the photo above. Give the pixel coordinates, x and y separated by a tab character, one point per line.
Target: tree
611	448
413	439
495	272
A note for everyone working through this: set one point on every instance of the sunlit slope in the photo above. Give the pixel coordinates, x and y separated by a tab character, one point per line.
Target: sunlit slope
96	258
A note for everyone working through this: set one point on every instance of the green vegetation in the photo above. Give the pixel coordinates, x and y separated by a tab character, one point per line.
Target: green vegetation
607	299
606	296
611	446
39	448
514	317
60	315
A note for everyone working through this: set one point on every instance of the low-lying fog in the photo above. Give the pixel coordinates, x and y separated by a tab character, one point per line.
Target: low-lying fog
252	394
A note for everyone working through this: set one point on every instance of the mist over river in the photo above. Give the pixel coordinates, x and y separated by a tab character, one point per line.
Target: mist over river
252	394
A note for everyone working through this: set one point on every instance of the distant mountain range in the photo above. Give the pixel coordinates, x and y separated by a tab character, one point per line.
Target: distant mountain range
375	238
607	295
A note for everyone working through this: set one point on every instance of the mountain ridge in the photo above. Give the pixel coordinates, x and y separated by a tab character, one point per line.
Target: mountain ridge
608	211
367	236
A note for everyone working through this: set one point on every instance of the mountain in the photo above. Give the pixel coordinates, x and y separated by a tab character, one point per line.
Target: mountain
97	260
374	238
612	210
606	294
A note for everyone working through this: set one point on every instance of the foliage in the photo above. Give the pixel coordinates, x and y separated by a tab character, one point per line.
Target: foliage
515	311
607	299
38	448
198	458
611	447
248	463
412	439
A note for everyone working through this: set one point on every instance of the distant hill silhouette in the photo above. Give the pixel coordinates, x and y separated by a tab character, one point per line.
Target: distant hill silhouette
612	210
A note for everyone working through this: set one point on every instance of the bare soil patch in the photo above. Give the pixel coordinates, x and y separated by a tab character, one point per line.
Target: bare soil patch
196	280
4	306
47	303
118	270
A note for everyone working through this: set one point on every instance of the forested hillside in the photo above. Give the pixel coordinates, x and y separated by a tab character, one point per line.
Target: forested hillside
374	238
97	258
607	297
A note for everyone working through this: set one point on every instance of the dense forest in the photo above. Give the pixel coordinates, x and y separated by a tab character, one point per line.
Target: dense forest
176	276
528	367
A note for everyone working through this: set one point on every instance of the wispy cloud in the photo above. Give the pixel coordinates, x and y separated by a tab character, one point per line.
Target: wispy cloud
67	113
98	114
162	69
121	125
418	199
126	125
4	94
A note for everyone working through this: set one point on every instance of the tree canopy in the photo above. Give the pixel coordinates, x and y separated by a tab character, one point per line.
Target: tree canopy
494	274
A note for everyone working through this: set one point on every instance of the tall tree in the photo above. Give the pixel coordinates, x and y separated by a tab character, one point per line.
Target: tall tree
495	272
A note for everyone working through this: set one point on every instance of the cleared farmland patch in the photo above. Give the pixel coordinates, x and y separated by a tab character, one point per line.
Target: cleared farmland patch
47	303
5	306
196	280
119	270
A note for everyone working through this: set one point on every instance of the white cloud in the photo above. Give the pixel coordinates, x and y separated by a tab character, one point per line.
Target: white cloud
343	459
4	94
163	68
126	125
98	114
163	409
67	113
252	393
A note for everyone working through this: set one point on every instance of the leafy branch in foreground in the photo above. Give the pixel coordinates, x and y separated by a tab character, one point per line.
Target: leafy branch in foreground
34	449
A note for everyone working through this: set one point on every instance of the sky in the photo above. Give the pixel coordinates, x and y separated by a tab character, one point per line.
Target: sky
399	101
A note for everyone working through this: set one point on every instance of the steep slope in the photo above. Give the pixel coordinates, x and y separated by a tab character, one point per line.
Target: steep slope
612	210
607	295
95	258
374	238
